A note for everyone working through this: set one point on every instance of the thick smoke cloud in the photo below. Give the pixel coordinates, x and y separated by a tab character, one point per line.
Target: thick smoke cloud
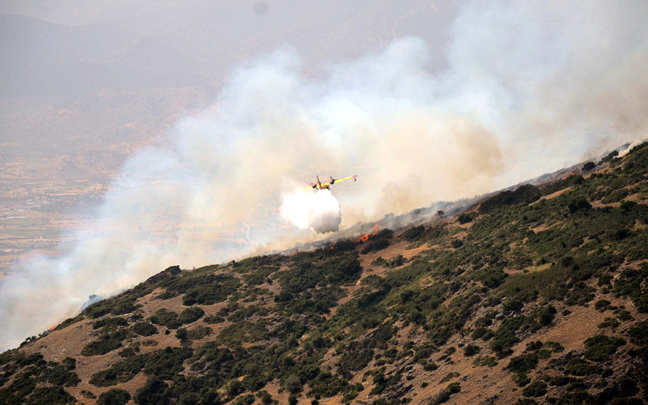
530	87
318	211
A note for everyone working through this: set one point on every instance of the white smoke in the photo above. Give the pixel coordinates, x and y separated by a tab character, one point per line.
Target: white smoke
530	87
318	211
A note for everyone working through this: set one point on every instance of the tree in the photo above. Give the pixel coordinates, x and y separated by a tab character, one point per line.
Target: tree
114	396
181	334
293	384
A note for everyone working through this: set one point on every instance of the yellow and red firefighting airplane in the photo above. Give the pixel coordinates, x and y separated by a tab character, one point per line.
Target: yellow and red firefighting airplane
326	185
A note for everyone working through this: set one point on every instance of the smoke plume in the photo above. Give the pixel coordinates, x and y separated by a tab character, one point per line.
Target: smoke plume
529	87
318	211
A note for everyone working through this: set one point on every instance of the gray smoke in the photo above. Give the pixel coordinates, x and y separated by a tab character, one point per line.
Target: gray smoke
530	87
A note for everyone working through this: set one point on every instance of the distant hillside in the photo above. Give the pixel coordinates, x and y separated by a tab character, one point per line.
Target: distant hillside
41	58
536	295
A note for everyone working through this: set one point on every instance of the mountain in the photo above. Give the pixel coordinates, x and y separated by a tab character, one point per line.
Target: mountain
40	58
534	295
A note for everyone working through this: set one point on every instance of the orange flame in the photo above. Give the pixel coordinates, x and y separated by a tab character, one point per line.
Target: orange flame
566	177
364	238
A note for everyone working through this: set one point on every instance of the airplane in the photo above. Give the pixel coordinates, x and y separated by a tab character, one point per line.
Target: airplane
326	185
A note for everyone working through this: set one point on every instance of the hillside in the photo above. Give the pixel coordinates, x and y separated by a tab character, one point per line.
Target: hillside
536	295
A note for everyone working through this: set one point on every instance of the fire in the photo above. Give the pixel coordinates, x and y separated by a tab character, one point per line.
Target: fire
364	238
566	177
53	327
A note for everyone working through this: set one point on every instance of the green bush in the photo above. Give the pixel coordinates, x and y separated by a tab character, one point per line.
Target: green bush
105	344
165	317
114	396
449	377
144	329
449	391
413	233
601	347
523	363
525	194
602	305
199	332
579	205
535	389
489	361
464	218
471	350
191	314
50	395
154	391
117	321
181	334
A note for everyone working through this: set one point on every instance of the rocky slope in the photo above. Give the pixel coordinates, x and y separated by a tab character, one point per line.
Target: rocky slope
536	295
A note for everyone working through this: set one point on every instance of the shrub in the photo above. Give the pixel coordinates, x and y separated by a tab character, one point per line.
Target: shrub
189	398
413	233
265	397
210	290
489	361
69	363
144	329
105	344
602	305
579	205
166	318
444	396
622	234
117	321
181	334
449	376
154	391
191	314
50	395
471	350
293	384
114	396
376	245
523	363
608	322
199	332
611	156
601	347
246	400
464	218
525	194
535	389
520	379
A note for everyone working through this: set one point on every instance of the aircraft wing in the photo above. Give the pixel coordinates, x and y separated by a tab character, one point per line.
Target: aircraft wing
342	179
309	186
